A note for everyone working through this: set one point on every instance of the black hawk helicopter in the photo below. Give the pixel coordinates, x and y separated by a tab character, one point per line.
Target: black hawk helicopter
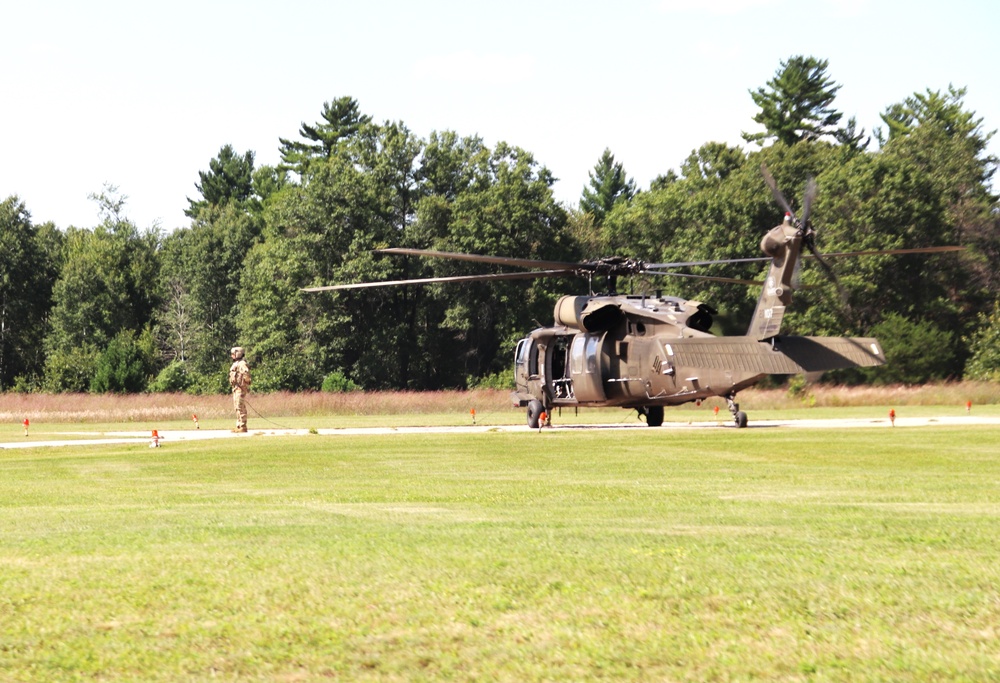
647	352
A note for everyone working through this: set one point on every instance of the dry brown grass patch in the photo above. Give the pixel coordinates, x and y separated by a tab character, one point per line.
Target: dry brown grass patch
166	407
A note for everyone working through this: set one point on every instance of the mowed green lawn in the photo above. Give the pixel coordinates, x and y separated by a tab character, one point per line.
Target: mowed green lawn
715	554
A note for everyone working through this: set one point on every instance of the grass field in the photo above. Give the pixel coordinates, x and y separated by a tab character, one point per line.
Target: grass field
724	555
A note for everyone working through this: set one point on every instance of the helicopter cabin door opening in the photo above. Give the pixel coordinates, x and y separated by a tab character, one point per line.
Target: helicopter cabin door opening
525	365
586	367
562	382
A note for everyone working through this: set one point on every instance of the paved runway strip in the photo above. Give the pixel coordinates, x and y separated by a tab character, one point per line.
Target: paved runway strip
174	436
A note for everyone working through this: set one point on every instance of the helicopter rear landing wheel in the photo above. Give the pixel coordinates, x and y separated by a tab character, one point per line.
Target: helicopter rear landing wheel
739	417
654	415
535	410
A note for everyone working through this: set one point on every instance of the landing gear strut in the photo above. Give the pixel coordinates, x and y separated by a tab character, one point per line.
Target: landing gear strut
739	417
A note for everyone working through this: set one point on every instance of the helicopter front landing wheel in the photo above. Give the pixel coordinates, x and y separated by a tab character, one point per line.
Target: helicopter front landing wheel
535	410
739	417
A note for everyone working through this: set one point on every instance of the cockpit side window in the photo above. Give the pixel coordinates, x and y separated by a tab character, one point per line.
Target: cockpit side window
521	353
526	356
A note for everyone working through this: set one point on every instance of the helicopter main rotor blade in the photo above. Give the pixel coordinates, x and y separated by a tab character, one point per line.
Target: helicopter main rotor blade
432	280
559	268
713	278
879	252
684	264
650	267
478	258
841	292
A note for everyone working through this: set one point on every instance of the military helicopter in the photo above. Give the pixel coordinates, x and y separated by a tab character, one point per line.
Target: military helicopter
646	352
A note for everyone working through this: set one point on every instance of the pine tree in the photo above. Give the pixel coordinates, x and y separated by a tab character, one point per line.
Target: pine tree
796	103
341	119
608	185
229	178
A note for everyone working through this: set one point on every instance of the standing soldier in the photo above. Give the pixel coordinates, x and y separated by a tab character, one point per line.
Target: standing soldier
239	380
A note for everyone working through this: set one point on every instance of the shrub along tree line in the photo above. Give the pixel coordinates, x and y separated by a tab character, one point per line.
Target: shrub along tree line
119	308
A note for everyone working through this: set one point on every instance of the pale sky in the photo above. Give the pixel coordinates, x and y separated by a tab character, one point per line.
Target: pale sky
142	95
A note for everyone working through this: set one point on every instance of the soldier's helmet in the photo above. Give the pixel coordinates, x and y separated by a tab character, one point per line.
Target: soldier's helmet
236	352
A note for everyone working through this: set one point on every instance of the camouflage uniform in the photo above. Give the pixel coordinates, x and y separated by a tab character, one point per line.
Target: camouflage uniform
239	380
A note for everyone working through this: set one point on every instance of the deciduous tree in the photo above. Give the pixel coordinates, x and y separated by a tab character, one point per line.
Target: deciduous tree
26	275
107	284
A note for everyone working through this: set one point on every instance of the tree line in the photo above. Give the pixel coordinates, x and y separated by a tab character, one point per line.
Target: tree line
117	308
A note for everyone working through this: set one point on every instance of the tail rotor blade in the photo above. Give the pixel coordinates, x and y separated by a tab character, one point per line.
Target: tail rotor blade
778	197
807	200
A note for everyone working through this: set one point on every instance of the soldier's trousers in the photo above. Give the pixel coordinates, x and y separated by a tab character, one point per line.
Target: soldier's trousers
240	404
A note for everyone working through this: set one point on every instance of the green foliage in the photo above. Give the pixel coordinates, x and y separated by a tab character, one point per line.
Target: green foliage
712	162
503	379
105	286
934	109
349	187
210	383
70	369
984	345
798	387
200	280
337	382
916	351
171	379
27	270
125	365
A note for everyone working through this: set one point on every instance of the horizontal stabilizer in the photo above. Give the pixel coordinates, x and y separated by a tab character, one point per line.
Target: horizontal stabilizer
815	354
779	356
